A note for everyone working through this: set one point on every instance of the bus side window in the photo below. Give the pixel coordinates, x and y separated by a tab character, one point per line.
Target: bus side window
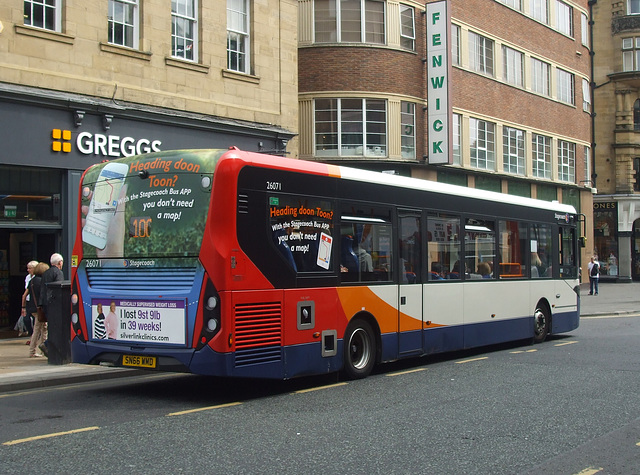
513	249
410	247
443	246
480	245
366	246
567	249
540	239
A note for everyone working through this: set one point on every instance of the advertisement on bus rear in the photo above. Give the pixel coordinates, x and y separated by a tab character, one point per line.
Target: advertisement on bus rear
152	205
132	320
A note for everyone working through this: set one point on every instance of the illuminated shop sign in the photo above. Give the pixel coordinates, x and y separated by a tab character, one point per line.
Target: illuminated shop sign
111	146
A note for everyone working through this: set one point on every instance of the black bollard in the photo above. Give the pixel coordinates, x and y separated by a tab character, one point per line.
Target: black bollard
59	323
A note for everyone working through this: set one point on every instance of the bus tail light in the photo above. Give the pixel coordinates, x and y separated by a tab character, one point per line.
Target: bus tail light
210	315
76	325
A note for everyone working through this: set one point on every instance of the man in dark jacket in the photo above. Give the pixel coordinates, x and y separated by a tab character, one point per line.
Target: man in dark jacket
53	274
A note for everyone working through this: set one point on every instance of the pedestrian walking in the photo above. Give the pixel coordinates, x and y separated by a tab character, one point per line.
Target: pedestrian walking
40	325
594	275
53	274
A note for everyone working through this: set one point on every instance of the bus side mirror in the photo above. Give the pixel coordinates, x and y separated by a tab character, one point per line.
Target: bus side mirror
583	241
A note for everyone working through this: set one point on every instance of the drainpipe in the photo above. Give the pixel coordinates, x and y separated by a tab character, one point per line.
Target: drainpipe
594	175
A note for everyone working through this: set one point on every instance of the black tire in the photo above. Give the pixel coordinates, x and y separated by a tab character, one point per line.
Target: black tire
359	350
541	322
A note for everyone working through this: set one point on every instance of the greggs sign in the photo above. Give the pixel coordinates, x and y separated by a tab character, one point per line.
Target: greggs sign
112	146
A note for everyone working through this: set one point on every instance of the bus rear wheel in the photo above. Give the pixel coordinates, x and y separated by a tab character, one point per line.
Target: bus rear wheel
540	324
359	350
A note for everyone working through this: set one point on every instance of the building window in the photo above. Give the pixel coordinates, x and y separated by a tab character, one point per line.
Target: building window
123	23
408	137
184	29
565	87
564	18
351	127
349	21
43	14
457	150
586	96
587	166
541	156
238	36
540	77
407	28
515	4
513	150
455	45
482	140
633	7
584	22
631	54
539	10
566	161
513	62
636	115
480	54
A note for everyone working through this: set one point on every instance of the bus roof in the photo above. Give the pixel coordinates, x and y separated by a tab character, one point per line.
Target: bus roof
355	174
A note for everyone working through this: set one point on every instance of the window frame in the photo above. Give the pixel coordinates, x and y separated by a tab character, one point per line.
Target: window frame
481	54
513	66
178	17
55	10
239	57
539	10
513	154
566	161
343	127
631	54
129	7
335	24
541	156
482	132
408	39
540	77
455	45
633	5
408	134
565	89
564	18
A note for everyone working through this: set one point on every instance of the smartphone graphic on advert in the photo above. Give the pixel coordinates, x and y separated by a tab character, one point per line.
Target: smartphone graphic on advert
104	203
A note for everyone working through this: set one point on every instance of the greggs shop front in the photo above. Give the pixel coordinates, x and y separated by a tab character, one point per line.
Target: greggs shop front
48	139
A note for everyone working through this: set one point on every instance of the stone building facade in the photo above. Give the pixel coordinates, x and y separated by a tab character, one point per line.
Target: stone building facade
86	81
616	80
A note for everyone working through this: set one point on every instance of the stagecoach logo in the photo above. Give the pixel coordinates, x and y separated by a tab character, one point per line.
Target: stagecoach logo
137	263
563	217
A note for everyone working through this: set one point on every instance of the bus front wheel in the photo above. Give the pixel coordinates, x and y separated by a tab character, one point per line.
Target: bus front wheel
359	350
541	324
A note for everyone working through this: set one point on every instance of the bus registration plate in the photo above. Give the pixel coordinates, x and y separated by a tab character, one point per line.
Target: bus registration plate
139	361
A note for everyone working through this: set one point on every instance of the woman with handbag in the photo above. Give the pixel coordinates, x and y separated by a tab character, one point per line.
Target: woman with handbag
40	327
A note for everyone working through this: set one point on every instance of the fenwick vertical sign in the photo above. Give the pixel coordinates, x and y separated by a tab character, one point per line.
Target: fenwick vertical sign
438	72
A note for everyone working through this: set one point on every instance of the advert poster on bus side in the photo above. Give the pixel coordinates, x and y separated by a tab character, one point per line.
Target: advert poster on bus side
302	230
148	321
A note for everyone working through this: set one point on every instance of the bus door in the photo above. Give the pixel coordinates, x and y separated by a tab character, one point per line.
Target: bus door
410	277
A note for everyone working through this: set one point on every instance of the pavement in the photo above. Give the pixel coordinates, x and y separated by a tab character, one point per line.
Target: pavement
19	372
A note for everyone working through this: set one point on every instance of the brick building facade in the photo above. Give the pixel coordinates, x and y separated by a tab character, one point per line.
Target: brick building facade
519	85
